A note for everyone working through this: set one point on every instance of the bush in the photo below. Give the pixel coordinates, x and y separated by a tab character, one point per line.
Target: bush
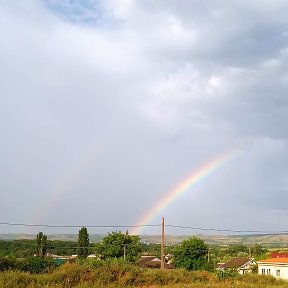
36	265
114	274
8	263
226	274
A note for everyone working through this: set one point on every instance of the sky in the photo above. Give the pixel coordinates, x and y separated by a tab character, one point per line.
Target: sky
106	106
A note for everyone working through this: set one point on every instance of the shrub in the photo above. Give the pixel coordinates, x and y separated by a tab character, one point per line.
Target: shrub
36	265
8	263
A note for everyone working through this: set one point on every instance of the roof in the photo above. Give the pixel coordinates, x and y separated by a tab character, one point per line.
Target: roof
157	264
275	260
152	262
279	255
144	259
235	263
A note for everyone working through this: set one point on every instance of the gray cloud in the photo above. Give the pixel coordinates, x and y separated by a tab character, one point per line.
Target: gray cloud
105	117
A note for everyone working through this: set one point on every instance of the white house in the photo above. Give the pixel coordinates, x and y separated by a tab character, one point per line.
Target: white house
277	267
242	265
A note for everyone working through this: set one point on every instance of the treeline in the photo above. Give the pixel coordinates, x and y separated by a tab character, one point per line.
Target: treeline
25	248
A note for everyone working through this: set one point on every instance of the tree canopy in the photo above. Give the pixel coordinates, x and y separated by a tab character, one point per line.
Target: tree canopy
41	240
83	243
191	254
117	245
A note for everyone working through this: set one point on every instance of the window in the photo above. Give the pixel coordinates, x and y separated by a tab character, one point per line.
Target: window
263	271
277	272
268	271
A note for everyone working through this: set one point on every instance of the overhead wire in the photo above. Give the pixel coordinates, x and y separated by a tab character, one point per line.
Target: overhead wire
146	225
227	230
77	226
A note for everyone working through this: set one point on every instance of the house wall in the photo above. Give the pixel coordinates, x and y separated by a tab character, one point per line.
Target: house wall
273	270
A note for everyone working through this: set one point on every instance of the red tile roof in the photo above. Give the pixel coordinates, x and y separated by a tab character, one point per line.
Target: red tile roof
275	260
279	255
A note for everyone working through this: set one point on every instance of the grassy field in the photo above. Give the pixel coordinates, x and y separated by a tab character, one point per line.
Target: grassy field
95	274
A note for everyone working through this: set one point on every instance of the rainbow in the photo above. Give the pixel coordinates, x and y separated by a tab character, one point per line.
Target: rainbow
187	184
66	183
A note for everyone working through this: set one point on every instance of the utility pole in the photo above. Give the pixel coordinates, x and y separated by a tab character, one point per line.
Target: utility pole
162	245
124	252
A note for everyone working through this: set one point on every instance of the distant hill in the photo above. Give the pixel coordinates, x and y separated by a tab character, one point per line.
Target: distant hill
278	240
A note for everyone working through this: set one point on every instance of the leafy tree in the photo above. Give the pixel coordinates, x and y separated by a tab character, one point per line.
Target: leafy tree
41	248
83	243
155	249
43	245
192	254
38	241
258	251
242	254
17	248
234	250
115	243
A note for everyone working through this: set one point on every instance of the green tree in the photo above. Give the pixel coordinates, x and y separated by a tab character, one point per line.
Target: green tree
41	241
83	243
115	244
43	246
234	250
191	254
258	251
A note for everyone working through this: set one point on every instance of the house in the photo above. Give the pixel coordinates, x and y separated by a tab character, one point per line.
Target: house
242	265
152	262
277	267
279	255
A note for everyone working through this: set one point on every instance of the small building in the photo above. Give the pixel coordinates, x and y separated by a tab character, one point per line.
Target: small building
152	262
93	256
242	265
277	267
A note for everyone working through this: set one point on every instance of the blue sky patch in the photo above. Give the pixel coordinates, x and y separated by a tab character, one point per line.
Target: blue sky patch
86	12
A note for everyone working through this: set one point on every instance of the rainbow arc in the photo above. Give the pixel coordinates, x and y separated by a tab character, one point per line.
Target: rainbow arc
184	186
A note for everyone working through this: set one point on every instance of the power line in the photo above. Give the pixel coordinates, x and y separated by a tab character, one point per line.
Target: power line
78	226
226	230
58	247
146	225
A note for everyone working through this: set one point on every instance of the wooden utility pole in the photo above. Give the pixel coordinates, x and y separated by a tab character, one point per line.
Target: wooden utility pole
162	245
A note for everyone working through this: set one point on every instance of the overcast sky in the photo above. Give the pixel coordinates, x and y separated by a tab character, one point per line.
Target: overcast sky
105	106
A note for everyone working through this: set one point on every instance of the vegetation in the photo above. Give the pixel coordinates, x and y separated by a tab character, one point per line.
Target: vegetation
155	249
95	273
30	264
41	248
83	243
24	248
119	245
117	252
191	254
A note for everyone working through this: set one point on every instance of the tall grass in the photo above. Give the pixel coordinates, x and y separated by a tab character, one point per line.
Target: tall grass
114	274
